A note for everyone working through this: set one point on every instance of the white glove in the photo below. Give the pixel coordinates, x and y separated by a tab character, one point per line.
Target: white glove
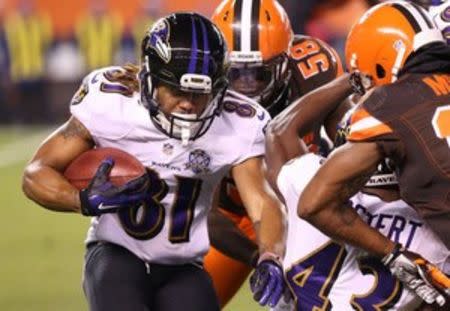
415	272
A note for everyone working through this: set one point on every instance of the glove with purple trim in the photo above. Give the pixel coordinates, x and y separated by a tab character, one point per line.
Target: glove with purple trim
101	196
424	278
267	281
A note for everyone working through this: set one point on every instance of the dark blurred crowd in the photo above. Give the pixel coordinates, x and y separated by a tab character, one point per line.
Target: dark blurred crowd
39	71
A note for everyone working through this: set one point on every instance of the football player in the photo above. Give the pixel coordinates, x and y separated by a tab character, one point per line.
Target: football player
396	47
273	67
323	274
147	238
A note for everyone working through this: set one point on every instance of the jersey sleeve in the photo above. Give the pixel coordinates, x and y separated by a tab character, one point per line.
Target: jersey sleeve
256	146
99	104
313	63
364	126
246	120
296	174
81	103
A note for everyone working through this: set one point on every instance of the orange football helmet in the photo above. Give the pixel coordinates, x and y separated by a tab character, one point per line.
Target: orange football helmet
383	38
258	34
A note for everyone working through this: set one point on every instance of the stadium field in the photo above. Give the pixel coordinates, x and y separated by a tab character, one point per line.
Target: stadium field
42	251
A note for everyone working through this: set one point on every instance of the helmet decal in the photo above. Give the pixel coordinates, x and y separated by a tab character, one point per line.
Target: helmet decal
206	55
246	36
159	39
195	49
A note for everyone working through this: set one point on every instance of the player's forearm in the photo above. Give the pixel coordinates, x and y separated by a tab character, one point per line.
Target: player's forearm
272	231
341	223
50	189
279	150
311	109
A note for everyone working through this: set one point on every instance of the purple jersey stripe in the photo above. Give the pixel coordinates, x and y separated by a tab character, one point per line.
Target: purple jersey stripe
194	49
206	51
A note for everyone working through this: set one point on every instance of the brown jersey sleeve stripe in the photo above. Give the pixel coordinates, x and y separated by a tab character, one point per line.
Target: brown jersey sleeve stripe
363	126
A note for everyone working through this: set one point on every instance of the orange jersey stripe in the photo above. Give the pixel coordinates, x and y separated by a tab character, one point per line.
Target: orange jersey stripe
364	126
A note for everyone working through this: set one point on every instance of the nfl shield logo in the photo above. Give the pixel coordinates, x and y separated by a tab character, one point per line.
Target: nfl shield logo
167	149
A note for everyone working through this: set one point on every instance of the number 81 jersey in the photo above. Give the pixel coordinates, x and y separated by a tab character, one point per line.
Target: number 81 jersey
171	227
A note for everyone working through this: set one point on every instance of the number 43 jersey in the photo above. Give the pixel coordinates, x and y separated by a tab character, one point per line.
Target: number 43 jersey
171	227
324	275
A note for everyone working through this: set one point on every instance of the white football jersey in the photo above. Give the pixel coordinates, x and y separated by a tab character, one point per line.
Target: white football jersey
172	228
323	274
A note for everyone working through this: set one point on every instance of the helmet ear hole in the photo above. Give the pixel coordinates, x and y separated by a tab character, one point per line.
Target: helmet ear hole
381	73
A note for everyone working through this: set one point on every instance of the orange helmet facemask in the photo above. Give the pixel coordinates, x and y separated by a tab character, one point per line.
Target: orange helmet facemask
258	35
385	36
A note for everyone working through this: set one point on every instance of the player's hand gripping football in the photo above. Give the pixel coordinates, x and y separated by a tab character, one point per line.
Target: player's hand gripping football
424	278
101	196
267	281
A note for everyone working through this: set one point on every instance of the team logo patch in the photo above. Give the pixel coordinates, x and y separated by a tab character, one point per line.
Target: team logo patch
159	40
198	162
167	149
80	94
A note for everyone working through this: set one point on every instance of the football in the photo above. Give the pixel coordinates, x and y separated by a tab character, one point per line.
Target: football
81	170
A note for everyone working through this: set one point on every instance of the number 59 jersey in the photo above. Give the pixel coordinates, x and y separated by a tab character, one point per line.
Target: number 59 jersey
323	274
170	227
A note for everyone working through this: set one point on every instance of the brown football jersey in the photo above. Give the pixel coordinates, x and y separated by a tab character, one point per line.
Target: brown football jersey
410	122
312	63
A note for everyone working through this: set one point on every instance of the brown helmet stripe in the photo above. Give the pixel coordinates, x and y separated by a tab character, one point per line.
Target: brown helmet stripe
236	21
407	14
254	36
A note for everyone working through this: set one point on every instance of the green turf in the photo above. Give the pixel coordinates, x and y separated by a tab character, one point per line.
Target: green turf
9	134
42	251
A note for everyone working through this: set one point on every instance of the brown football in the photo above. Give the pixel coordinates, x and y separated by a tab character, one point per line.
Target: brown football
81	170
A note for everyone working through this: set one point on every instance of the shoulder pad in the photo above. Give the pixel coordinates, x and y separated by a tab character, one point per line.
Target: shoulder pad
299	171
244	106
101	103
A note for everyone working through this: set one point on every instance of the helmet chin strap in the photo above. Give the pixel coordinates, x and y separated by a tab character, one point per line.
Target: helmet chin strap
184	127
178	128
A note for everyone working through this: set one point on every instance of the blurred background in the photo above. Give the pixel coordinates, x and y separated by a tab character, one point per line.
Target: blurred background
46	47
